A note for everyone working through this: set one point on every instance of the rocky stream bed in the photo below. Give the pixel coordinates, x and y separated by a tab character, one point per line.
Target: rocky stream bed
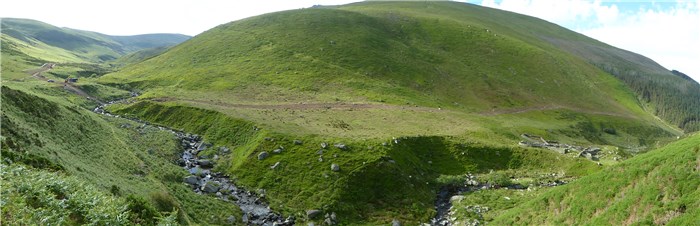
204	181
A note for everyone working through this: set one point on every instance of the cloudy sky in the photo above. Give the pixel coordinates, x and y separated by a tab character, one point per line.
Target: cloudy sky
666	31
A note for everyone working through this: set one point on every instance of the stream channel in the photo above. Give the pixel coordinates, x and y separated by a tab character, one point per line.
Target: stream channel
203	181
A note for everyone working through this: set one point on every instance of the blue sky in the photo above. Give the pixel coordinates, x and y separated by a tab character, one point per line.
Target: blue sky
666	31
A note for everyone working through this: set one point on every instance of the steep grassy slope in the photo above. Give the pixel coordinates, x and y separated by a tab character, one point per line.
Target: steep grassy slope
659	187
48	130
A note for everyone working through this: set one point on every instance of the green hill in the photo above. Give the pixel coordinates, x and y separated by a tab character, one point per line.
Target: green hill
440	65
87	45
28	44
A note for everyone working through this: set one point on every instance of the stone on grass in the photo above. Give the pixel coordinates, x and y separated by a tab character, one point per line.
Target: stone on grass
311	214
335	167
275	165
262	155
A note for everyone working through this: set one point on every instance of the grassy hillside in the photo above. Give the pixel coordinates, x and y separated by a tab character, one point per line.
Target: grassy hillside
432	63
396	59
47	129
659	187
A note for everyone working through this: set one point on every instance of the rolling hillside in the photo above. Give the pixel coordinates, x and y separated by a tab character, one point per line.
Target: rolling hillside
362	114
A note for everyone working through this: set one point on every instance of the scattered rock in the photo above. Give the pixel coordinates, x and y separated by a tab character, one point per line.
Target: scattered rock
205	163
324	145
262	155
211	187
311	214
196	171
456	198
395	222
319	152
231	220
320	159
244	218
224	150
341	146
298	142
335	167
193	180
275	165
203	146
277	151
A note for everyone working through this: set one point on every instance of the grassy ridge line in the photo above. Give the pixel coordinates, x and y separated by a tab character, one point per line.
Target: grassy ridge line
659	187
376	182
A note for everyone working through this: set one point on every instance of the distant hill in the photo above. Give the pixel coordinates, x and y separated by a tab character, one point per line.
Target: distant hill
79	45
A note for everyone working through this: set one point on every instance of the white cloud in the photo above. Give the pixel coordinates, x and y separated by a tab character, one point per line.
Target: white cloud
670	36
564	12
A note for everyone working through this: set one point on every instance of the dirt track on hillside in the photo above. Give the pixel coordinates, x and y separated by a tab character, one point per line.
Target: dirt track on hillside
300	106
363	106
66	85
